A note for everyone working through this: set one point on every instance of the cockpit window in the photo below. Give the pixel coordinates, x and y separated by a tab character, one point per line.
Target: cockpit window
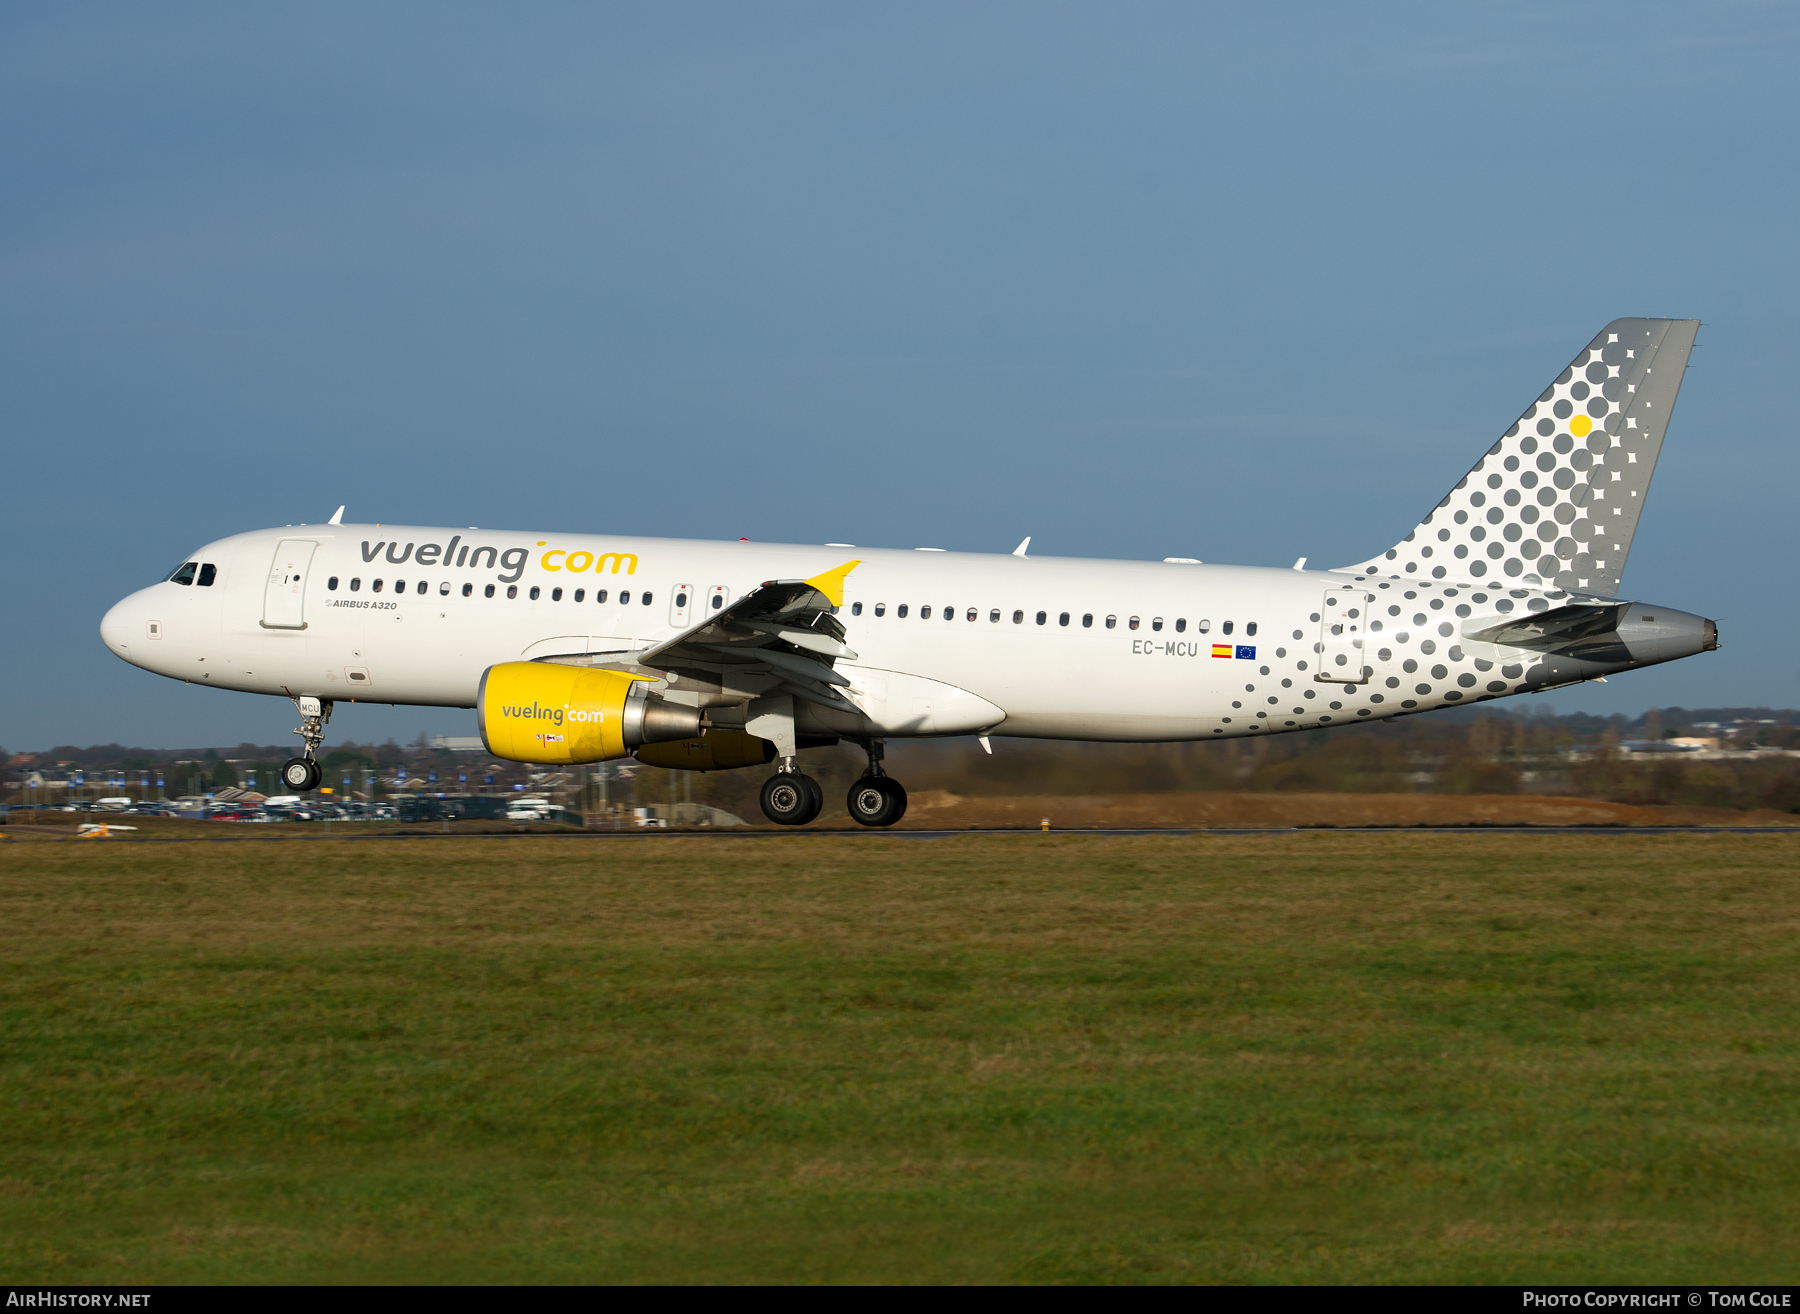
184	573
208	573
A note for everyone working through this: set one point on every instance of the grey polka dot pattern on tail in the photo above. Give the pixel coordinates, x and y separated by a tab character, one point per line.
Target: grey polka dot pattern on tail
1566	483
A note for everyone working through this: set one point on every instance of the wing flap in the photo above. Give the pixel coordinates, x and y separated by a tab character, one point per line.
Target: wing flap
785	628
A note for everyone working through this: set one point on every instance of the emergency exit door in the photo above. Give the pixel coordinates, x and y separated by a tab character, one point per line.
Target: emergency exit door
284	596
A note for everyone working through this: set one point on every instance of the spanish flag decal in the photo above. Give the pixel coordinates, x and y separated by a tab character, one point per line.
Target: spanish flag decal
1221	650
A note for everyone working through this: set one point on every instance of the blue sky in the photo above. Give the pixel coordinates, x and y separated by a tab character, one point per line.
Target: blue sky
1139	281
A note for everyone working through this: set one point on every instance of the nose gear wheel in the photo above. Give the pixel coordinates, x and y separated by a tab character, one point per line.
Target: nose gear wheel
301	775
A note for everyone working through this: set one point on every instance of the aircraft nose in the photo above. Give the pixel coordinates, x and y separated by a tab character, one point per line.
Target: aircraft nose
123	626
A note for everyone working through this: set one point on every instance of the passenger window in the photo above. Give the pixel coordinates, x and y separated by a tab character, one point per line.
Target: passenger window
424	588
580	594
881	609
1018	618
331	584
1204	626
1087	621
994	616
1181	625
355	583
681	599
444	589
468	589
556	595
624	596
1250	629
901	611
488	592
512	590
1225	628
646	597
1132	623
973	613
1063	619
599	595
534	593
719	601
856	609
1156	623
1042	616
925	612
184	573
399	586
208	573
375	587
1112	622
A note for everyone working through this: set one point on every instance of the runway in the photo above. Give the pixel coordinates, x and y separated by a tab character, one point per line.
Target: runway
746	834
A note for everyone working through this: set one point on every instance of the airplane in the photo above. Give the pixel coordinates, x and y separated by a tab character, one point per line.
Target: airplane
710	656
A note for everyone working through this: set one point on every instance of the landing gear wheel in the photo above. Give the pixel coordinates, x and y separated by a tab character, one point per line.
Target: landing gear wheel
876	801
868	803
791	799
818	800
897	792
301	774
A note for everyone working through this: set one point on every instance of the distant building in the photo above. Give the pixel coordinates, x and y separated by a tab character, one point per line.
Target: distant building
458	743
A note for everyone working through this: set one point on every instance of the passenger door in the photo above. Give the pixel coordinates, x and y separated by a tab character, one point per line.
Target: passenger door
681	606
284	597
1343	624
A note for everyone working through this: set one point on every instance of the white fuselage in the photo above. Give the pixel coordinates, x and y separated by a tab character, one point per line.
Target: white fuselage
945	643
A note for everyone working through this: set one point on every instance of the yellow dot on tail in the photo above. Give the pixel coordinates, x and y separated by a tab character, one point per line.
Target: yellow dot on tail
1580	425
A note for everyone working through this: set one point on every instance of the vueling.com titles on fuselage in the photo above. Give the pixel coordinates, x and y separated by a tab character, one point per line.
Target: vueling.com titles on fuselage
508	563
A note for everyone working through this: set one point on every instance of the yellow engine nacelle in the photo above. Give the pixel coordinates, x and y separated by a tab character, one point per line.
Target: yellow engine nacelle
712	750
543	712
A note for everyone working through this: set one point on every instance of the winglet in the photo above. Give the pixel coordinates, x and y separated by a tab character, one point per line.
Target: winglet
337	519
831	583
1020	550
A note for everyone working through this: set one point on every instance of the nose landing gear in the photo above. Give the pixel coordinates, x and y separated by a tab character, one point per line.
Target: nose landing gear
302	774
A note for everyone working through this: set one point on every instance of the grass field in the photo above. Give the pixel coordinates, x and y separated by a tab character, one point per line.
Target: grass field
1306	1058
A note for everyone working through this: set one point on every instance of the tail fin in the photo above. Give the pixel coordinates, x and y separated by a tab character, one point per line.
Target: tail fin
1557	499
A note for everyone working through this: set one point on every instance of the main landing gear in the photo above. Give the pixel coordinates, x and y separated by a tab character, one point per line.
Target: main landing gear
790	798
302	774
876	799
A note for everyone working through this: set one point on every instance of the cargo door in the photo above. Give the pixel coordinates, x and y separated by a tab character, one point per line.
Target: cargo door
284	597
1343	624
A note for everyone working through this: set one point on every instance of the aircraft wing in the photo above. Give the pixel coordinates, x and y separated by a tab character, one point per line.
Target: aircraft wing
783	629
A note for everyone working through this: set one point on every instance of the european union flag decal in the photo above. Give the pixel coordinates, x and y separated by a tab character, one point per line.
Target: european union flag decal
1246	653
